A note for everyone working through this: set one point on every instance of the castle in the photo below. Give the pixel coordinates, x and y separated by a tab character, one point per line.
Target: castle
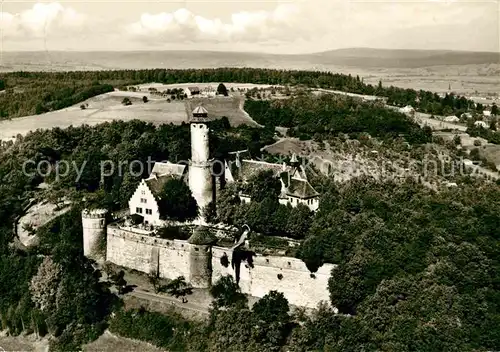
203	258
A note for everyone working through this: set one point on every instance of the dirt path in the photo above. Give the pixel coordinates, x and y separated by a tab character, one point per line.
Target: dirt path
242	104
169	300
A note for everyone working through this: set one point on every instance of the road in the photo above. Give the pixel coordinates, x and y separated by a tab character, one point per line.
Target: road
150	296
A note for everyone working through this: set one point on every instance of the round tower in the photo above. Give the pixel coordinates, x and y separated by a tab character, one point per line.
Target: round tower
94	229
200	175
200	257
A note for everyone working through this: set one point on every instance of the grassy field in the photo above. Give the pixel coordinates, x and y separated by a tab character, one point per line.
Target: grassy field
231	107
109	342
102	108
108	107
27	343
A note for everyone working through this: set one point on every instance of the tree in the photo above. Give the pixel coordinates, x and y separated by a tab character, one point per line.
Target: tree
494	109
227	203
264	185
179	288
210	213
44	285
154	280
299	221
227	293
177	202
144	99
232	331
119	281
222	90
273	307
272	320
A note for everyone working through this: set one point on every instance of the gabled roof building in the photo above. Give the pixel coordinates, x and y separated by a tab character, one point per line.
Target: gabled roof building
295	188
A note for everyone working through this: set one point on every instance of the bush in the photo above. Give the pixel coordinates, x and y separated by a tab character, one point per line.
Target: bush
169	331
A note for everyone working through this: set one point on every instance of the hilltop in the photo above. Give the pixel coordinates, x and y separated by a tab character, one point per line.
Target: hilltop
389	58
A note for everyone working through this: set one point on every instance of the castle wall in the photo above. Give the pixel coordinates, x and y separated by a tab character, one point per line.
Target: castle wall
174	258
145	253
296	283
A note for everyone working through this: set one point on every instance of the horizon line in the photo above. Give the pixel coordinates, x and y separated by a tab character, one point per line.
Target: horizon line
253	52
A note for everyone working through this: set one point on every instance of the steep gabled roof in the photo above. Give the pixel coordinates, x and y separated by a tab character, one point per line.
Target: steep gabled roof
200	110
156	184
301	189
250	168
168	169
202	236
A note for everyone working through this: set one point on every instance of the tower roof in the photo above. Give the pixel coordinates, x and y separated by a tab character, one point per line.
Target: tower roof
200	110
202	236
199	114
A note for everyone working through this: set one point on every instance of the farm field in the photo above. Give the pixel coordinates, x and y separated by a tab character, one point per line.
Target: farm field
108	107
103	108
415	69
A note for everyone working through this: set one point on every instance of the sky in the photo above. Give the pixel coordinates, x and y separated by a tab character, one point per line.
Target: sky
294	26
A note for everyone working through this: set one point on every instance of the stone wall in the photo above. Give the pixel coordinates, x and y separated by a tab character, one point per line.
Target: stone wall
295	280
174	258
145	253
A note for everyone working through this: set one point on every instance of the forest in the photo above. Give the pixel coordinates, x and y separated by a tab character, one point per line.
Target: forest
418	270
28	93
328	115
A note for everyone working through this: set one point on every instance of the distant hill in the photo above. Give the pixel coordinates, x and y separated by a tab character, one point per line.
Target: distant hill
360	58
365	57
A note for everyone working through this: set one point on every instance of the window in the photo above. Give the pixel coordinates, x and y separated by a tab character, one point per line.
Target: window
149	211
143	193
144	200
138	210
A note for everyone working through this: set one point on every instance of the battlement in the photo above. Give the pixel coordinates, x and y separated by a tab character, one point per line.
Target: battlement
130	235
94	213
285	274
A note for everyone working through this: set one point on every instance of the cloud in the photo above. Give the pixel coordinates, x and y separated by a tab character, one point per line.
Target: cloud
183	25
330	23
292	27
42	20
